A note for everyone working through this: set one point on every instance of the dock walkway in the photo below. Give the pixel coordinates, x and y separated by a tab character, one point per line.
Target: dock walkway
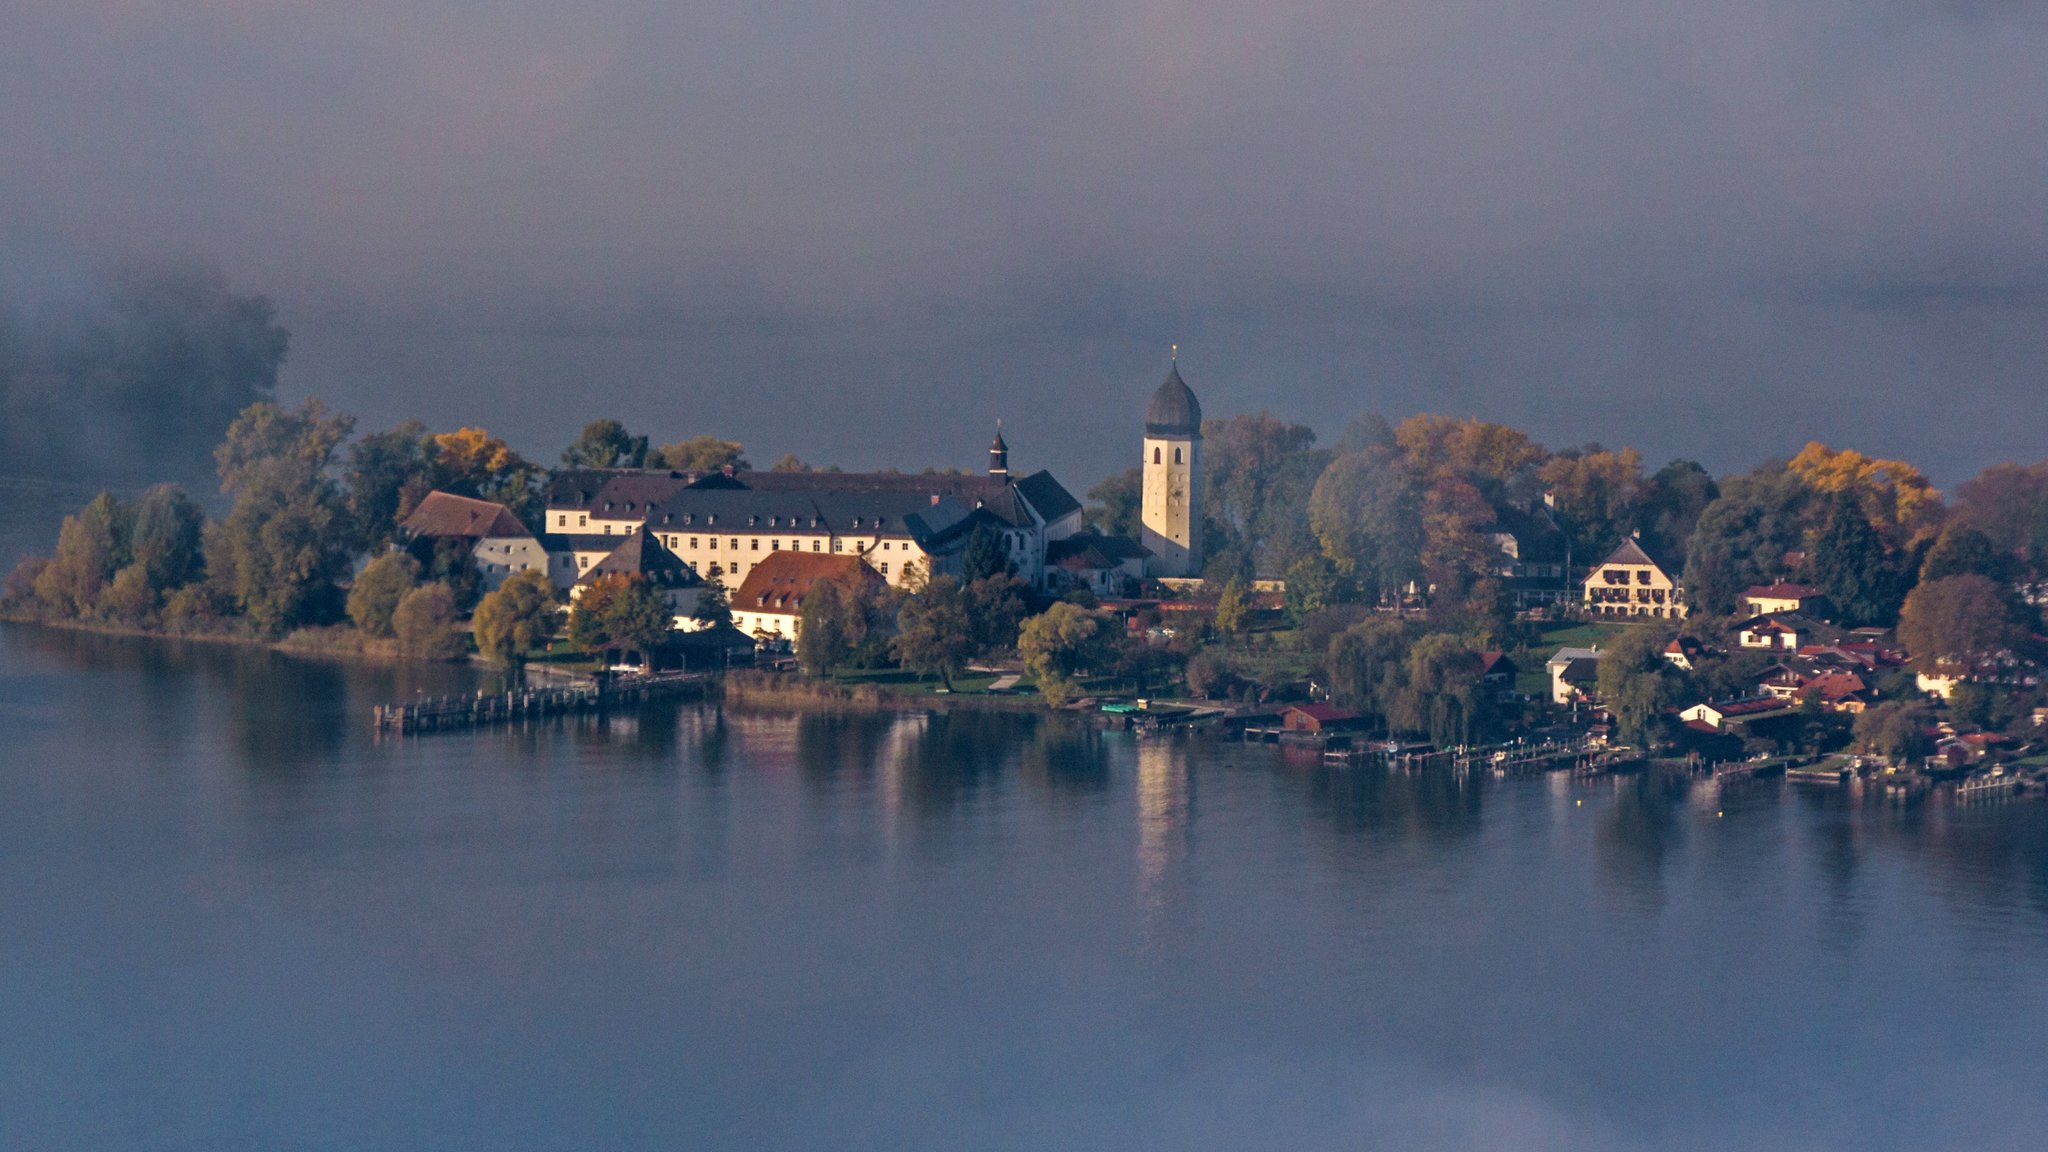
450	713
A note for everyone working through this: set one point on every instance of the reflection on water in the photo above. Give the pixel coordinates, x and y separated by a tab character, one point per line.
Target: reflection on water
705	926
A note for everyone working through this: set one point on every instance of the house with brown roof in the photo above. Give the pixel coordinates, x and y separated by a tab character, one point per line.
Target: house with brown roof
769	603
1108	566
497	539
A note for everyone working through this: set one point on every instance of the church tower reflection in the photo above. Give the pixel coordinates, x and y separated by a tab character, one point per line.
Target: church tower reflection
1165	814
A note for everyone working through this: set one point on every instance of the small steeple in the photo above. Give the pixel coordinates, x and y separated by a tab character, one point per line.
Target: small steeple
999	454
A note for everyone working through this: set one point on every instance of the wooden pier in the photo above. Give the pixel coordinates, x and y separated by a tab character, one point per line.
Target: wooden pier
451	713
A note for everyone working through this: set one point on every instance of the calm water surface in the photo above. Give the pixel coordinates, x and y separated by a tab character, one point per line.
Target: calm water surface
233	920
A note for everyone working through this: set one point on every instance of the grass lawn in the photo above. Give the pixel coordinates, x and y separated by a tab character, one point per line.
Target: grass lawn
1577	634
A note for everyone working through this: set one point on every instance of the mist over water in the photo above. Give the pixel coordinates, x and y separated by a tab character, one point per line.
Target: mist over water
237	920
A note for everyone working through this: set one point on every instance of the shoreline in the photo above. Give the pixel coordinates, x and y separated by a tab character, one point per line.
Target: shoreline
383	652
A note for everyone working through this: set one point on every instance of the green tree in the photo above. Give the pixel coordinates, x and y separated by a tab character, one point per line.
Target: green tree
831	623
387	475
1668	508
1312	585
1063	643
618	610
283	548
1638	686
984	554
714	606
1743	536
516	618
996	605
1367	667
425	624
1961	550
605	444
935	630
1898	730
1231	608
1257	473
1367	515
1444	696
1116	505
384	582
1854	569
700	454
168	537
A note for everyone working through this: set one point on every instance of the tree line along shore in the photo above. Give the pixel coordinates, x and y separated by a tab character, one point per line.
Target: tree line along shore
1384	575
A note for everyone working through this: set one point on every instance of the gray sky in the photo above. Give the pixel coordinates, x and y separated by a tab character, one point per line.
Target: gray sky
861	232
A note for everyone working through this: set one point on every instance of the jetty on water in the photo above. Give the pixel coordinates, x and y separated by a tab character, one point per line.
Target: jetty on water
450	713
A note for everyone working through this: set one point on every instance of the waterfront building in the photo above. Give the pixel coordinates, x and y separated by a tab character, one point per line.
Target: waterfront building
495	537
643	556
769	603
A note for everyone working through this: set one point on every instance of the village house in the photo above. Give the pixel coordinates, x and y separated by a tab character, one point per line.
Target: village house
500	544
1109	566
1319	719
1684	652
1722	715
1574	672
644	557
1535	558
1785	632
1771	599
769	603
1629	583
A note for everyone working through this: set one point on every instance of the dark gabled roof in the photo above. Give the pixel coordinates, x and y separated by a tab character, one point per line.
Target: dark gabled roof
642	555
1092	551
780	581
1630	552
631	495
1173	409
580	542
1582	670
444	514
576	487
1047	496
1538	539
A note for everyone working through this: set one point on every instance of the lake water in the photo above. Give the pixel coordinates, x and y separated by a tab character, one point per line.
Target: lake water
233	920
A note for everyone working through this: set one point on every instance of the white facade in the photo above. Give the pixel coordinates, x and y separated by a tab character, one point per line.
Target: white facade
1172	508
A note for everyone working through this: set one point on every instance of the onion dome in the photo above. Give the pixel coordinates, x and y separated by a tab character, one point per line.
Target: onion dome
1174	411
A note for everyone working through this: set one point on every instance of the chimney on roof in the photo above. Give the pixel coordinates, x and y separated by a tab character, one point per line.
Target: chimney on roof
935	499
727	470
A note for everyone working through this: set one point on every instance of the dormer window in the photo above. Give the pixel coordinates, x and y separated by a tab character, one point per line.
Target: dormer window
711	519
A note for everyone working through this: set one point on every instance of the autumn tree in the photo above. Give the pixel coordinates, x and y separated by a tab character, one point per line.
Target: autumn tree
620	610
1901	731
834	620
1443	695
1257	473
1596	493
1960	625
1899	502
515	619
92	545
1963	549
1231	608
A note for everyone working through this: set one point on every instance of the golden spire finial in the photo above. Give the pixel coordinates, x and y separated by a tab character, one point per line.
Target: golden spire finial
1173	354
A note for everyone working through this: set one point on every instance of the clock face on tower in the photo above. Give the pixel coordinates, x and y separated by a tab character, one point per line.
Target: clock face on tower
1176	493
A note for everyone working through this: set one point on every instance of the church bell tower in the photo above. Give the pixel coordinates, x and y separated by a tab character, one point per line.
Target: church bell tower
1172	511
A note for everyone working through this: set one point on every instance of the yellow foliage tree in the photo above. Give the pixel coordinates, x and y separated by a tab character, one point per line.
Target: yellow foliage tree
1899	500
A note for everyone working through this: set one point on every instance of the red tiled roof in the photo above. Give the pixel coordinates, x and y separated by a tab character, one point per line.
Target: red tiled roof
779	582
1322	713
1781	591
